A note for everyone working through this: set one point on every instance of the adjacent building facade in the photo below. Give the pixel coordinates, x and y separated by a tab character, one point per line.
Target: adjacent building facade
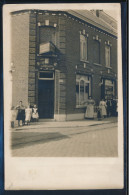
61	58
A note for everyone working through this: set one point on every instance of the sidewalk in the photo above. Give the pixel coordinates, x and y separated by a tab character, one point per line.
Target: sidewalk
66	124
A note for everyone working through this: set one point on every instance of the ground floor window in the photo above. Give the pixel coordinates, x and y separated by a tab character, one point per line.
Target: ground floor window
108	89
83	89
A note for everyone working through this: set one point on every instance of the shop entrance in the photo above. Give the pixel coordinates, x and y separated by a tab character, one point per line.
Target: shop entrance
46	98
107	89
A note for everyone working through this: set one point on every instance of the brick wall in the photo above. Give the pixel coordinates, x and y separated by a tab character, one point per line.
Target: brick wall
20	57
60	43
73	28
25	48
32	59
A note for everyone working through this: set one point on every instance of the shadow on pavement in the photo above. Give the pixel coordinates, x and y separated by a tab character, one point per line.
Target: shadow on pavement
20	140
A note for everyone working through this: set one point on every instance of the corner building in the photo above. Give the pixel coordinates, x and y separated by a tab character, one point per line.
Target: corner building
61	58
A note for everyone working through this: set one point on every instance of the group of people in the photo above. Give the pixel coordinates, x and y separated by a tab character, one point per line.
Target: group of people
25	114
105	109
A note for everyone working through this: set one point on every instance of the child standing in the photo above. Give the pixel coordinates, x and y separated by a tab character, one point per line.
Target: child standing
103	106
28	113
35	114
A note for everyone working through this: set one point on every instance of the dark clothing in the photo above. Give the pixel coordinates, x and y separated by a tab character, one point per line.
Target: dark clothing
109	107
98	114
21	115
114	106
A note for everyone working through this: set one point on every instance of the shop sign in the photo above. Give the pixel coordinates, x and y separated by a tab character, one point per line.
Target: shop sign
44	48
108	82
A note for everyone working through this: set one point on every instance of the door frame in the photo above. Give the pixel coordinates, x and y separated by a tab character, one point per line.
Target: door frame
49	79
53	78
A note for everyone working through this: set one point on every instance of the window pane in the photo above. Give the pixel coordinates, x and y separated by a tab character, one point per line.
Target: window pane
81	50
96	52
86	91
83	88
77	93
83	47
81	92
107	55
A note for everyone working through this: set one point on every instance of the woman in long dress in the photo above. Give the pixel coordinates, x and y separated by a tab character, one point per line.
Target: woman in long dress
28	113
90	108
103	106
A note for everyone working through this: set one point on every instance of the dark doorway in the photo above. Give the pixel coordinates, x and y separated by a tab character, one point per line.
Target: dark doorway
46	98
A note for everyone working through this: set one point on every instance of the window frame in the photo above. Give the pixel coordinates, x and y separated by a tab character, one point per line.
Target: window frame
83	55
89	82
109	56
99	56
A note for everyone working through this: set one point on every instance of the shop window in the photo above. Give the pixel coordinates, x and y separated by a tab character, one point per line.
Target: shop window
83	48
83	89
108	89
96	52
107	56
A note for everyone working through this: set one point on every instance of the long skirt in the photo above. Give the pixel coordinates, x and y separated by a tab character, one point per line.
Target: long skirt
103	111
89	111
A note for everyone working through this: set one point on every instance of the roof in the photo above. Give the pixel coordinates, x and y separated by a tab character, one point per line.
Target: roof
89	17
86	16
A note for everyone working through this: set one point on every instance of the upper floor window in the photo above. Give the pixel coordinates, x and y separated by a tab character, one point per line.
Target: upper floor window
107	56
47	34
83	48
96	52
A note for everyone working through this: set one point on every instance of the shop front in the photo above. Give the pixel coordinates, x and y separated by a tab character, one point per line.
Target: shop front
108	89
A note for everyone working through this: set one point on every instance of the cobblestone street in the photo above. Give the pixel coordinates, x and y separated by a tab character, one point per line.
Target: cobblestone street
66	139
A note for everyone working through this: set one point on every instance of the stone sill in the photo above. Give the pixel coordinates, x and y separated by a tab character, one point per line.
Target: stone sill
108	67
84	61
80	106
97	64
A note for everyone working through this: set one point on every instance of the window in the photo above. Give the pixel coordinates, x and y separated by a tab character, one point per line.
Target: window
83	89
46	60
83	48
44	75
47	34
96	52
47	22
107	56
109	89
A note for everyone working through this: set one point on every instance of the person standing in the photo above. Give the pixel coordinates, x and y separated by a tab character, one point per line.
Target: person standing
35	114
90	108
21	113
109	106
103	106
28	113
114	107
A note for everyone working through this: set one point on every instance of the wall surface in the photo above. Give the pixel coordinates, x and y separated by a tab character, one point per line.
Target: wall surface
67	41
75	66
20	58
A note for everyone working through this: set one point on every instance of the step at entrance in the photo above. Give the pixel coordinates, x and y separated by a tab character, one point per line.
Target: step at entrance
47	120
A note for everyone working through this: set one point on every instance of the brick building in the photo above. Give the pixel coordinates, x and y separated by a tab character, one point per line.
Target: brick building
61	58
